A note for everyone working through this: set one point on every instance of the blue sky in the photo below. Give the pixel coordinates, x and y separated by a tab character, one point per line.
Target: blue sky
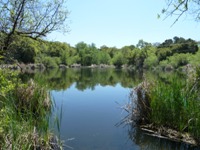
122	22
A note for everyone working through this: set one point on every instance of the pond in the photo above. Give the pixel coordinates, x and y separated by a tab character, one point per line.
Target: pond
88	109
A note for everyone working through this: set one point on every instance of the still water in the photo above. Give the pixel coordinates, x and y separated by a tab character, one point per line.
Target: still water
89	117
88	109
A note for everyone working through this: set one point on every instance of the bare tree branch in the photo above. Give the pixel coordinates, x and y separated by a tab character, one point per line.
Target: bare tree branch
180	7
31	18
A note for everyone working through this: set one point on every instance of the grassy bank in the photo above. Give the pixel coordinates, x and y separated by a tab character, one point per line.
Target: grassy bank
172	105
24	111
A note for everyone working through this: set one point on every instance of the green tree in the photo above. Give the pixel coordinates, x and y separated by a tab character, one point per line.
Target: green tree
151	60
30	18
88	54
24	50
142	44
118	59
126	52
110	50
95	54
104	58
177	45
140	58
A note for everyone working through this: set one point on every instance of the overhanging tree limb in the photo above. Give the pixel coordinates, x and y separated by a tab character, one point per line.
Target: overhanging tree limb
180	7
31	18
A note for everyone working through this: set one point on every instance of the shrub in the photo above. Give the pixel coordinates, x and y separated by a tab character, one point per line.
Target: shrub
179	60
49	62
150	62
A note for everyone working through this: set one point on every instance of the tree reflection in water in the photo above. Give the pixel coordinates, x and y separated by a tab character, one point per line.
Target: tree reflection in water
89	78
85	78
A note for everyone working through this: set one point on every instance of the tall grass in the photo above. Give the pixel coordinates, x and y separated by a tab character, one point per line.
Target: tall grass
168	103
24	111
174	104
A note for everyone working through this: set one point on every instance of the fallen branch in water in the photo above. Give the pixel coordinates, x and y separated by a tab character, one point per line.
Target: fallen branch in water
169	134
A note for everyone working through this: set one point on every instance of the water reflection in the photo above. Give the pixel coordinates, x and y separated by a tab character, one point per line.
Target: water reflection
57	79
87	112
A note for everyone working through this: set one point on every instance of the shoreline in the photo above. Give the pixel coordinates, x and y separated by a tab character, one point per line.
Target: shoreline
168	134
41	67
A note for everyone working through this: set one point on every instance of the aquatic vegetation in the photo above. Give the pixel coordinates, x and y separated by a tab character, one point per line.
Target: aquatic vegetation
173	104
24	111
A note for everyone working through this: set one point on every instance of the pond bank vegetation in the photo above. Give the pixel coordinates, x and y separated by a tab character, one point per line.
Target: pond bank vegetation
168	109
24	112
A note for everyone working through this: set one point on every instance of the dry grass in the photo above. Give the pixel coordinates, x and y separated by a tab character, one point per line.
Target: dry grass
140	103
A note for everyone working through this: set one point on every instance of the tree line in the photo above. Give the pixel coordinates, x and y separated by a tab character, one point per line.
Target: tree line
174	53
24	23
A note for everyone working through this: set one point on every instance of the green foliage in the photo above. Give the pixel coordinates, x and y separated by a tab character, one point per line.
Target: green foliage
178	45
141	55
59	79
179	60
2	39
164	64
118	60
8	81
142	44
194	59
176	105
88	54
24	49
73	60
172	53
50	62
163	53
32	98
39	20
110	50
126	52
169	101
23	110
150	62
104	58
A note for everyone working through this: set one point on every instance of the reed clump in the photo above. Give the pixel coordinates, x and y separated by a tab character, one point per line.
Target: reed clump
173	105
32	98
140	104
24	112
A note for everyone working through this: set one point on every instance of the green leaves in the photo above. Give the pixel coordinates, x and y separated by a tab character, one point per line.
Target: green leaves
118	60
32	19
174	105
23	112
